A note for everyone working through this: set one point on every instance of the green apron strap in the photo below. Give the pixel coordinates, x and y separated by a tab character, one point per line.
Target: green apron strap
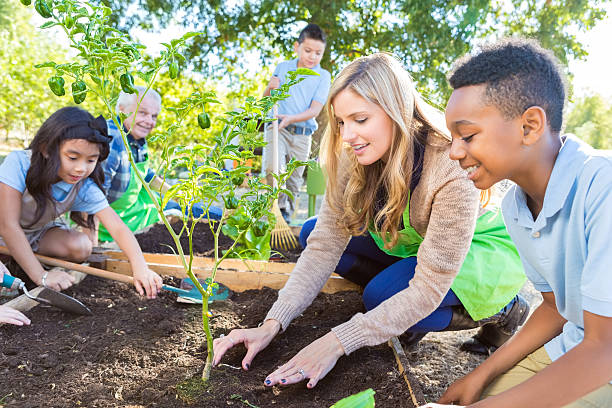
134	207
492	272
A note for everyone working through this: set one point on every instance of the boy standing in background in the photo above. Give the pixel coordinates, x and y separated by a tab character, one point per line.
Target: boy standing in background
298	112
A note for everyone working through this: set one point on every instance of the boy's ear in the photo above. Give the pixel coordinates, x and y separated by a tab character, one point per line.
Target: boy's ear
534	124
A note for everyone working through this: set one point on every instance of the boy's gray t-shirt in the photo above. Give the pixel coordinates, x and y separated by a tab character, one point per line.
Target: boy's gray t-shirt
311	88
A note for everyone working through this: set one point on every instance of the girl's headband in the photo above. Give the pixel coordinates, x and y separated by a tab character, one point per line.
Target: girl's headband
100	129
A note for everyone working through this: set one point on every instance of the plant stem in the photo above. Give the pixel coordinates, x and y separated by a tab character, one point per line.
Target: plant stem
209	339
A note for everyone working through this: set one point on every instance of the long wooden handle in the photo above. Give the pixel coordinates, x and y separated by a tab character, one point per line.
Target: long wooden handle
78	267
275	164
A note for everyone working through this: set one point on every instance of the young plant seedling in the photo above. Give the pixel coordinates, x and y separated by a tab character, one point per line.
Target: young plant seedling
106	62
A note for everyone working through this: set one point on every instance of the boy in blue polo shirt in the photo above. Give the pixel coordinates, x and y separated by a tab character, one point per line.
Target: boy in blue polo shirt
505	116
298	112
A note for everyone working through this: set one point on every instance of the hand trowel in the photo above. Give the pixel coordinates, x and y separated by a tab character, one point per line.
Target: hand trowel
48	296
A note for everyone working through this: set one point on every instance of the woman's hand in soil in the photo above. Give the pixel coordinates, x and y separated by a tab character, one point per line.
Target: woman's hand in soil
432	405
149	281
254	340
313	362
12	316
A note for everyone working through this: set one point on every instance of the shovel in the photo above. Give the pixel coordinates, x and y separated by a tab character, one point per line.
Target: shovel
48	296
191	295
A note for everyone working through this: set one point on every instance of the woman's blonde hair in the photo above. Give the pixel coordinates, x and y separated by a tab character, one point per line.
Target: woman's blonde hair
379	78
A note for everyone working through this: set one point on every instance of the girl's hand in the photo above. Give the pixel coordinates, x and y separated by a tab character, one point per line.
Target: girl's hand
149	280
3	271
313	361
56	279
254	340
12	316
432	405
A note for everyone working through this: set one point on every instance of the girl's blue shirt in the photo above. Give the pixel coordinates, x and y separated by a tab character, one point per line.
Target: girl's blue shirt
14	168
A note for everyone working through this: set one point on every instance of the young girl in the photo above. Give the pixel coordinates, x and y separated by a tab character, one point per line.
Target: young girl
61	172
8	314
412	215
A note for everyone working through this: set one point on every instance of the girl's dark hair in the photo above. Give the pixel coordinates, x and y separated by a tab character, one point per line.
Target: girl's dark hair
66	124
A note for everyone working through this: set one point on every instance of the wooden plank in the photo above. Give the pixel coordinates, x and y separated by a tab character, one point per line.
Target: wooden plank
24	303
414	389
236	280
204	262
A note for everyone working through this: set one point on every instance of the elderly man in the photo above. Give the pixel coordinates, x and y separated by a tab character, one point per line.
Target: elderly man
123	189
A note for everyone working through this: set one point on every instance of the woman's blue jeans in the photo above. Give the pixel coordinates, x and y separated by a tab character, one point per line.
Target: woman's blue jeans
395	277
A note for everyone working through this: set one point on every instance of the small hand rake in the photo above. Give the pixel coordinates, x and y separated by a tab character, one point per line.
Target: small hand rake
281	236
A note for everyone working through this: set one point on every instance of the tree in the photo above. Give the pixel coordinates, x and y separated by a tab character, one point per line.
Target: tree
25	100
591	120
426	35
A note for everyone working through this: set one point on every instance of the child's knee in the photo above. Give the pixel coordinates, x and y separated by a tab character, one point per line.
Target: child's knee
79	247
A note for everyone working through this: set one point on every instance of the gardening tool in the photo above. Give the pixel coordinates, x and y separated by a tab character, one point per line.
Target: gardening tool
192	295
48	296
281	236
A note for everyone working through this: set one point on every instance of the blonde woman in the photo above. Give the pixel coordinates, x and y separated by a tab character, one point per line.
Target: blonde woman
399	218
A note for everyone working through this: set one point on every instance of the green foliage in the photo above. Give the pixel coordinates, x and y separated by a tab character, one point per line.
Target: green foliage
426	35
364	399
25	100
591	120
254	243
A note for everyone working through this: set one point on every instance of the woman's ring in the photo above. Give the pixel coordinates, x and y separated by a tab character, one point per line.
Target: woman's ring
302	373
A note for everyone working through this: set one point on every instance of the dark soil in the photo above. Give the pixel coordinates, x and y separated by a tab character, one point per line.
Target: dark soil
140	353
158	240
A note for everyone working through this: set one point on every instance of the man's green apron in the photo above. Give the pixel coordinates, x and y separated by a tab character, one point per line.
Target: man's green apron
492	273
135	206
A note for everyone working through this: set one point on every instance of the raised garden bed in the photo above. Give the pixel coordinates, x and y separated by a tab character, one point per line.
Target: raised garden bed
138	353
134	352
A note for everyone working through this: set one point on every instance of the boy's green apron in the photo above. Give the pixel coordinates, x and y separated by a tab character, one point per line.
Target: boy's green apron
492	273
135	206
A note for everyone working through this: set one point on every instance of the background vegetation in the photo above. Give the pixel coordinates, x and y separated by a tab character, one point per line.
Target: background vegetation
244	39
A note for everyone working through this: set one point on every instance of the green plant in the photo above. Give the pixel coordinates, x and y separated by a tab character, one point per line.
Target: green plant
245	402
364	399
105	63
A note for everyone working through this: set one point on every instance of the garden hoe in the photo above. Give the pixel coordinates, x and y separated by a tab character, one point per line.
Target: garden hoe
281	236
48	296
191	295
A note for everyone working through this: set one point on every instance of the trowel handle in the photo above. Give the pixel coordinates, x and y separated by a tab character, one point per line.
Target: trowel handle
176	290
11	282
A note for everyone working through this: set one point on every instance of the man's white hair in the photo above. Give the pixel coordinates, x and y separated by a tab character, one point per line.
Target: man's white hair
126	100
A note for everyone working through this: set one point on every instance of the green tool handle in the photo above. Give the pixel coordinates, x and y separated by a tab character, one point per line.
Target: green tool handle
180	291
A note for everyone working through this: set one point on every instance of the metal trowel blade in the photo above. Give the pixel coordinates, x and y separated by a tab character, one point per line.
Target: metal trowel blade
62	301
